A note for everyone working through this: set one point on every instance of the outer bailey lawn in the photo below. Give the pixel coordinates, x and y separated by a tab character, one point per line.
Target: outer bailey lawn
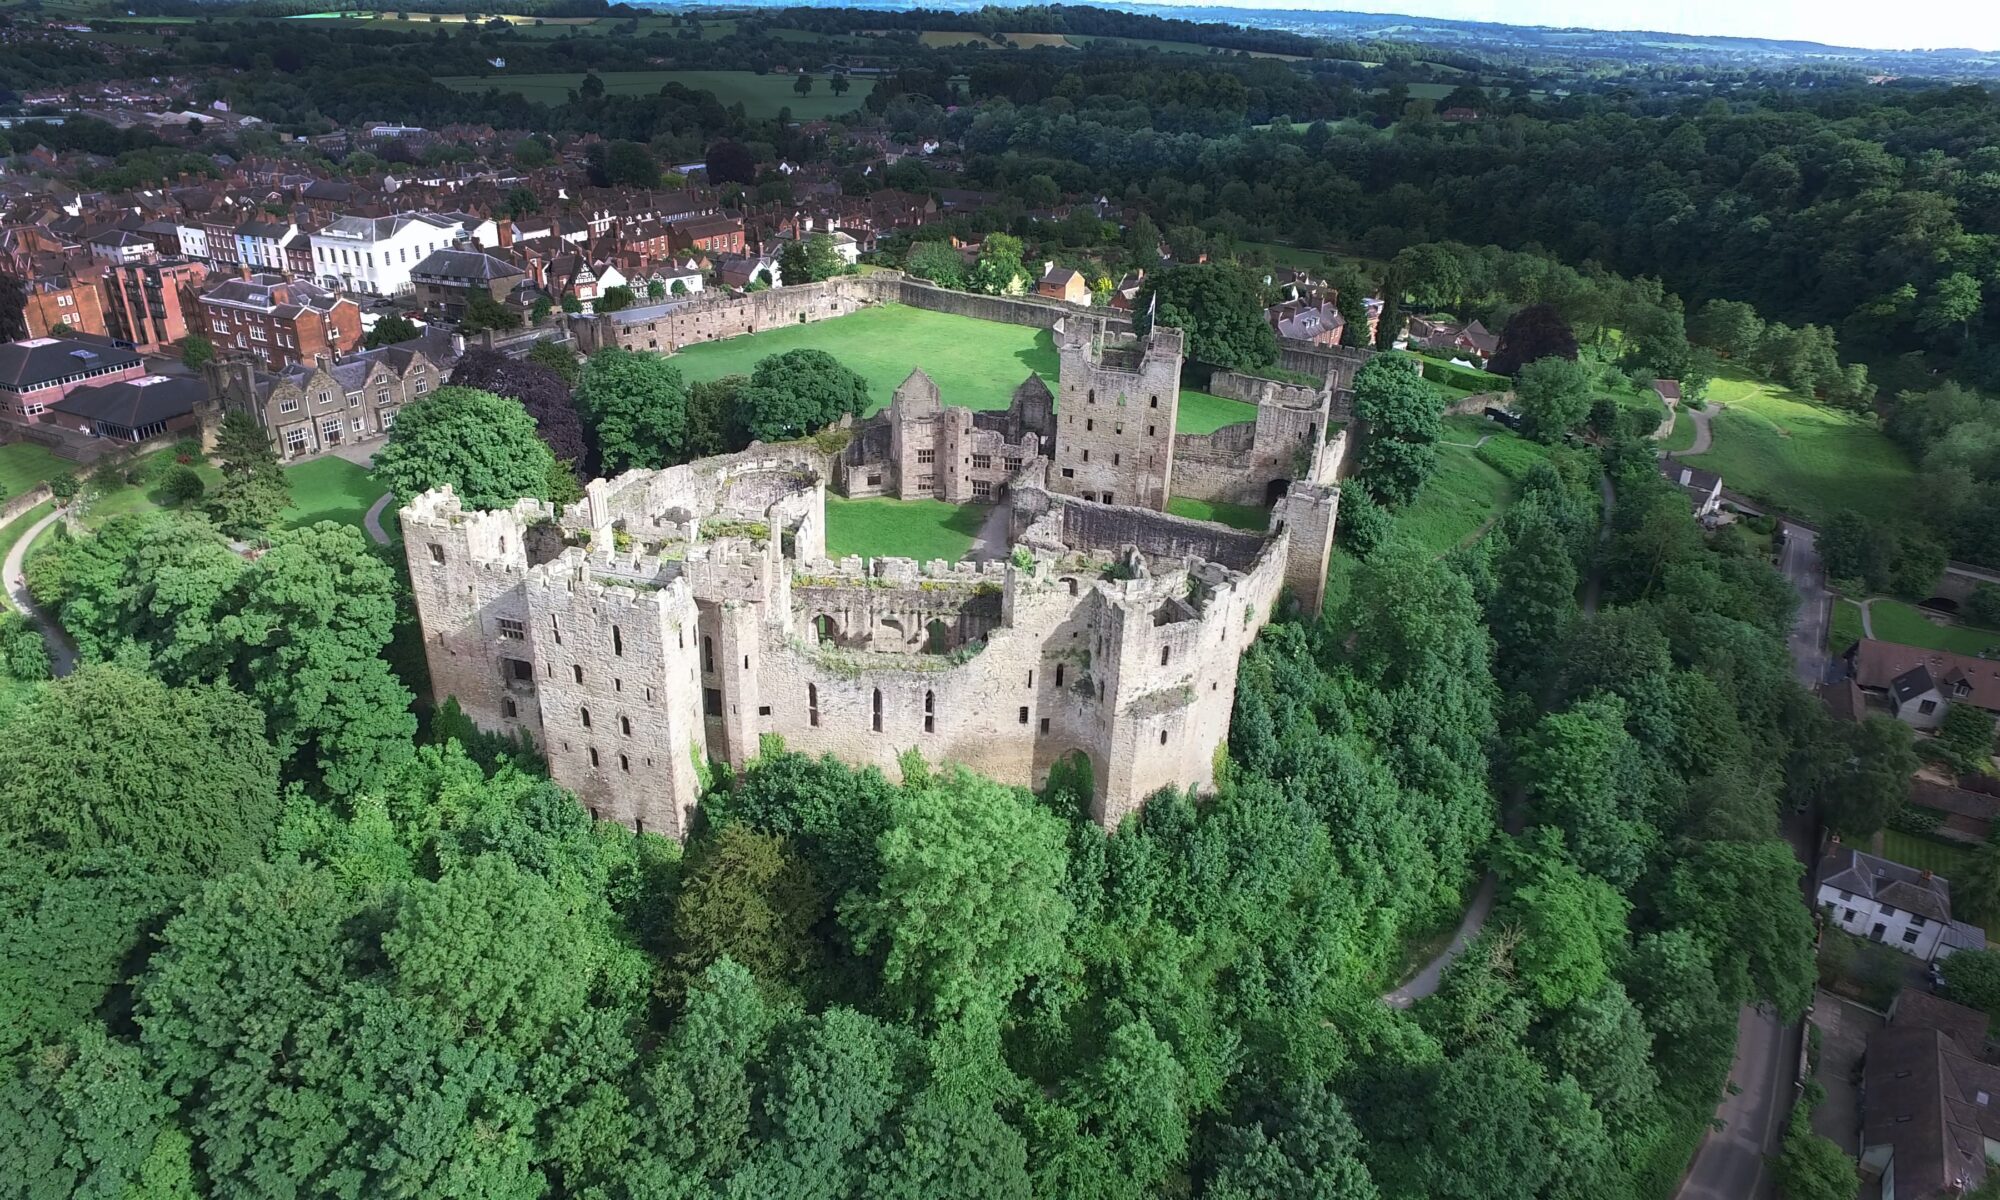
977	364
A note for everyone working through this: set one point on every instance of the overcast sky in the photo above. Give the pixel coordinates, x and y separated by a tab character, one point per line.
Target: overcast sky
1872	23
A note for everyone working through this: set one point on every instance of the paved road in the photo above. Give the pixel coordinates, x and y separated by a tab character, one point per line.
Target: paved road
1703	438
1731	1162
62	655
373	520
1800	563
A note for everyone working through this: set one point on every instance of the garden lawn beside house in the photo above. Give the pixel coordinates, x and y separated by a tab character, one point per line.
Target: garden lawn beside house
1844	629
1895	621
919	529
1804	458
330	488
25	464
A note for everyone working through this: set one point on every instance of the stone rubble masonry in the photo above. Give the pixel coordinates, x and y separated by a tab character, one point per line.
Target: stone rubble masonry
677	616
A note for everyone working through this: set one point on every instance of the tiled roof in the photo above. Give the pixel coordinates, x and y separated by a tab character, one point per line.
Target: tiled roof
1877	665
1886	882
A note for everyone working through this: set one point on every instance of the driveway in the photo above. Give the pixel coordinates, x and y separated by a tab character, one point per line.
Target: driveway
1703	438
1800	563
1844	1028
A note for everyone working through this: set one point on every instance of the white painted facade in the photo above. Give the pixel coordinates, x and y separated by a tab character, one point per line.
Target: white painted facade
373	256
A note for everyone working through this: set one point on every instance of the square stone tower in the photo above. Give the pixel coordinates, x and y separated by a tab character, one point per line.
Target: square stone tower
1115	417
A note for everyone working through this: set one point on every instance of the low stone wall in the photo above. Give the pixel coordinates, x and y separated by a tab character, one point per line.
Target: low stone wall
1337	364
1255	389
1473	406
39	494
1089	526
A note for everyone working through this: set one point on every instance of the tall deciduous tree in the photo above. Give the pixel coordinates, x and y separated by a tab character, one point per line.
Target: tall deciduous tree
484	446
253	494
541	388
800	392
1405	419
635	403
745	898
1533	333
107	757
1874	780
937	262
969	903
1554	397
390	330
1217	307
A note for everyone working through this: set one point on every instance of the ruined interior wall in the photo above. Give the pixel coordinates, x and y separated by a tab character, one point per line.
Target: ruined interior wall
1088	526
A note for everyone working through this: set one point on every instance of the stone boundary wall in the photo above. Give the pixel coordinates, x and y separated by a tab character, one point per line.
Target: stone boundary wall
1091	526
36	495
1336	364
1255	389
1473	406
1036	311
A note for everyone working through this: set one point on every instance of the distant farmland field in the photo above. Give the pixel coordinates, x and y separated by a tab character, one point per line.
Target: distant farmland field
760	95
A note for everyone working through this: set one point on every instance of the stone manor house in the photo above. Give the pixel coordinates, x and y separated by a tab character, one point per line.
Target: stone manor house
677	616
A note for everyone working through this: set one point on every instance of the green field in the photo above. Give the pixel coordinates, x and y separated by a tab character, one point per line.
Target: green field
1806	459
761	95
977	364
333	489
919	529
1895	621
1236	516
25	464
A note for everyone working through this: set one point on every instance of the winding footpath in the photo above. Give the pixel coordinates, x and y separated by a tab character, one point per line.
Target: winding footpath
373	521
1430	976
62	655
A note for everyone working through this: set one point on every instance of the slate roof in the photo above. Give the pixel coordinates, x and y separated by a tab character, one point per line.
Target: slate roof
38	361
1912	683
1693	479
268	291
464	265
1886	882
1927	1095
377	229
1878	665
134	403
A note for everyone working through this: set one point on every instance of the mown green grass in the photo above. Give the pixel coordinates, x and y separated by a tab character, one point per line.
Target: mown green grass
123	498
1844	627
976	364
333	489
761	95
1895	621
1682	436
1236	516
25	464
1806	459
919	529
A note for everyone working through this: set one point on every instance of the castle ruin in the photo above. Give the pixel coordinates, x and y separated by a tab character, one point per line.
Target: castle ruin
676	617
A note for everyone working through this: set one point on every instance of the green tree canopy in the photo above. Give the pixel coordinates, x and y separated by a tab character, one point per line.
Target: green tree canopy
800	392
1554	397
1405	420
481	445
635	403
1217	307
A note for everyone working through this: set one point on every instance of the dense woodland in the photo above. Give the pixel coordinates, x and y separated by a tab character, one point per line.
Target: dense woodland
269	928
265	936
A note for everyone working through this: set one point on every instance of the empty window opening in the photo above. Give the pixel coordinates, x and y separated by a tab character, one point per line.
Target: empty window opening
593	756
1164	652
711	702
617	641
1059	674
512	630
437	553
812	705
1163	737
555	627
625	726
878	710
763	710
1045	724
625	764
585	714
930	713
1024	714
708	654
508	708
577	671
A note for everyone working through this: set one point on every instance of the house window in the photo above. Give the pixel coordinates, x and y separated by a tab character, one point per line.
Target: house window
295	439
1045	724
1847	895
926	457
1888	910
1909	937
1163	737
1164	652
625	764
926	483
874	481
1917	920
520	670
289	404
1927	707
1155	403
1089	426
354	399
512	629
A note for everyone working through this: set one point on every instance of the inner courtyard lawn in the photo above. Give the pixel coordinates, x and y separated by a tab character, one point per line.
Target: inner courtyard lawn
1236	516
919	529
330	488
1807	459
977	364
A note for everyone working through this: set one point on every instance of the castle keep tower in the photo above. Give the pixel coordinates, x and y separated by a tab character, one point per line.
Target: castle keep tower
1115	417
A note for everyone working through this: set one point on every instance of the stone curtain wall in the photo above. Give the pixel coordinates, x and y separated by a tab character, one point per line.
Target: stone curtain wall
1255	389
1089	526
